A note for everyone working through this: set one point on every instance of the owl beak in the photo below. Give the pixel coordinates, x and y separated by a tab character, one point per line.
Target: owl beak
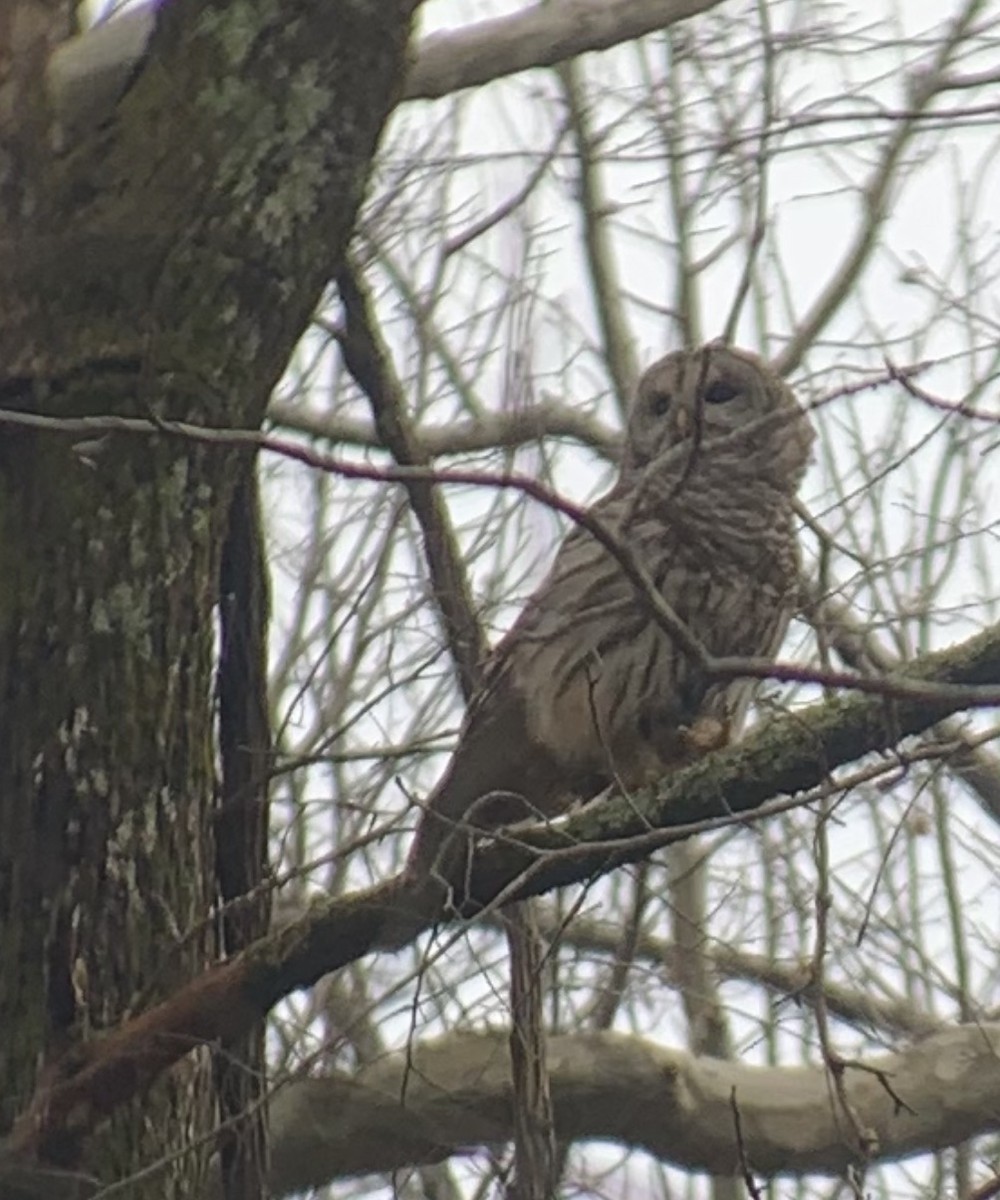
682	422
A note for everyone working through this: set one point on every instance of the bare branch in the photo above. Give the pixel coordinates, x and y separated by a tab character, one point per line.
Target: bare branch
973	764
618	347
489	431
535	1160
790	980
87	73
928	83
539	36
367	359
799	751
673	1105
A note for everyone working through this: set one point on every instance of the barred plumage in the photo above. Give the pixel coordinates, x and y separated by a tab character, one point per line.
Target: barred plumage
586	688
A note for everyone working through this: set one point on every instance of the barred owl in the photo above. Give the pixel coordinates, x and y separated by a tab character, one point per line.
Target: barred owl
587	688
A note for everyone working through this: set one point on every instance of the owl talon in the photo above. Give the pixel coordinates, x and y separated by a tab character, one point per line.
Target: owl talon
704	735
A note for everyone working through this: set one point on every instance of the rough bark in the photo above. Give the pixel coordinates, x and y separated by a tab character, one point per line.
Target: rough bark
163	263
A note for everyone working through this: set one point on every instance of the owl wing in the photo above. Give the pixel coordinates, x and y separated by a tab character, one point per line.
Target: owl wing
511	747
588	688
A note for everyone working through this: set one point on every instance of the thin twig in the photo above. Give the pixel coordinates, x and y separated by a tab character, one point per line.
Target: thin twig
895	686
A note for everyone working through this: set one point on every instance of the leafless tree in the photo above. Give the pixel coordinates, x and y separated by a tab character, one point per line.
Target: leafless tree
774	974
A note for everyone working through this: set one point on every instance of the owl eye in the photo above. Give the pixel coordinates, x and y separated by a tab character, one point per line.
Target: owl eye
659	402
719	392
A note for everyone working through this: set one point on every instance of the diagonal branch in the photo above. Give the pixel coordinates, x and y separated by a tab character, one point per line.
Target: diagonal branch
797	752
367	358
541	35
875	196
87	74
974	765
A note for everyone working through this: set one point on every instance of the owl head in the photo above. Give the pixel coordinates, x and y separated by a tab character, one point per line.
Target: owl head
723	406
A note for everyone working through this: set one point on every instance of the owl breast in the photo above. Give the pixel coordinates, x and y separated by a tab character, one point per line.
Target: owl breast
612	693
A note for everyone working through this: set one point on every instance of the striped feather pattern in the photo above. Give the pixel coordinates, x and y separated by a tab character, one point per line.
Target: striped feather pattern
586	688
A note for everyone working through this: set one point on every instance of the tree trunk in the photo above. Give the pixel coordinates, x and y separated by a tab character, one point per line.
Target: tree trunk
106	763
162	263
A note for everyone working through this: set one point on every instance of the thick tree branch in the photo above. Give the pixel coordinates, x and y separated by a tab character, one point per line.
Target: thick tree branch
796	753
539	36
87	73
974	765
452	1095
